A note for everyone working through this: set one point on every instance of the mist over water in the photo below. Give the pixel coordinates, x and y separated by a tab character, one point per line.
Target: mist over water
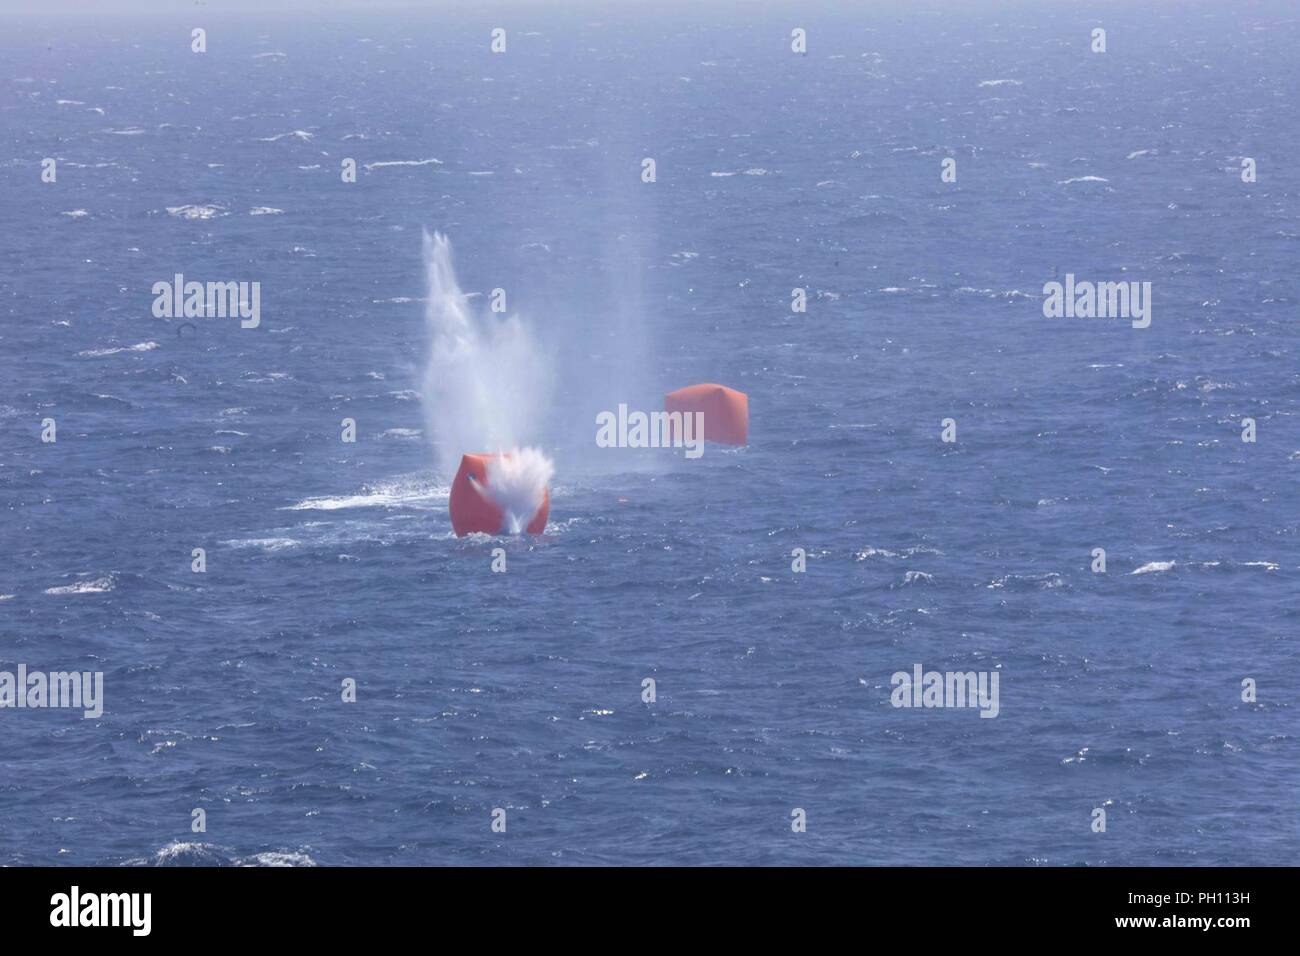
486	381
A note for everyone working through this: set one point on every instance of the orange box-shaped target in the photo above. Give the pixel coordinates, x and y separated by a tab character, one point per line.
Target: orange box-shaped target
472	508
726	411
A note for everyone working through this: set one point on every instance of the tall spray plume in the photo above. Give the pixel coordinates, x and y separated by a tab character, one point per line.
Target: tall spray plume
486	385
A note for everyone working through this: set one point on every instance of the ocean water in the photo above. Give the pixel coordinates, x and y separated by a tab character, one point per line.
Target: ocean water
329	561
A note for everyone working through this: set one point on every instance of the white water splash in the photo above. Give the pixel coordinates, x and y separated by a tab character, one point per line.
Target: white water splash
516	481
97	585
486	382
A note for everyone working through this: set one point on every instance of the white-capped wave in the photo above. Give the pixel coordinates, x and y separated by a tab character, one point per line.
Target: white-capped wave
1154	567
403	162
299	134
1045	581
277	858
870	552
100	353
97	585
192	211
264	544
186	853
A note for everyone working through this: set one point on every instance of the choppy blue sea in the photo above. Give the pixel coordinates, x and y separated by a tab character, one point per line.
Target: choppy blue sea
523	691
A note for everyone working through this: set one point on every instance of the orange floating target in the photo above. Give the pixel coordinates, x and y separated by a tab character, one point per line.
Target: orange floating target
474	510
726	411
